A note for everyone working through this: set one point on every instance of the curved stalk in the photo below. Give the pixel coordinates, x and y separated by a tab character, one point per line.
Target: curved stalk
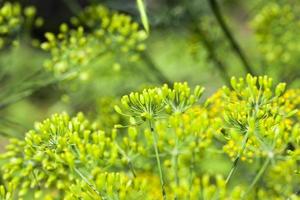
191	170
258	176
161	177
237	159
130	164
175	166
88	183
233	43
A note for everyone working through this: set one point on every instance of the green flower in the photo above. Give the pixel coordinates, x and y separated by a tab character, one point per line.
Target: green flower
156	103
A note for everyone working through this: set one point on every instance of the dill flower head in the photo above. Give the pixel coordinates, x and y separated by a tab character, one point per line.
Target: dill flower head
97	33
147	105
256	117
13	19
180	97
155	103
51	154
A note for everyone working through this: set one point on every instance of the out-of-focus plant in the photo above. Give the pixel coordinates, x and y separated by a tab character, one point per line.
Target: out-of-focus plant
16	23
276	27
98	44
13	20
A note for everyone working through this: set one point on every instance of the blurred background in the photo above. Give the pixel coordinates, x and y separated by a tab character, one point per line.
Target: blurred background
199	41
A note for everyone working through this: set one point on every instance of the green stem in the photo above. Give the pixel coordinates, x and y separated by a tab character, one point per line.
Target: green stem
234	44
175	168
88	183
163	190
130	164
237	159
258	176
196	28
191	170
212	54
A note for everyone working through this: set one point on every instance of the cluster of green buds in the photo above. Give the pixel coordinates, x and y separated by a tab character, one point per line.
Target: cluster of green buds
286	170
182	137
108	185
262	122
70	158
70	50
140	107
165	109
276	29
281	174
179	98
254	114
291	100
211	187
98	33
155	103
12	18
6	193
54	154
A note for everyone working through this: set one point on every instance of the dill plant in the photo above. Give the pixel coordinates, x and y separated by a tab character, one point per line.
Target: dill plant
70	157
158	142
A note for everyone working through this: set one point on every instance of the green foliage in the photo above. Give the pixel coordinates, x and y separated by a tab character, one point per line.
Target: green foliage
142	10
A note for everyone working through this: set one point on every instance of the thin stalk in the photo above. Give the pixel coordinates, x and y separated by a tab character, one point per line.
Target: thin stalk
161	177
236	160
206	42
212	55
175	164
234	44
258	176
27	91
88	183
130	164
191	170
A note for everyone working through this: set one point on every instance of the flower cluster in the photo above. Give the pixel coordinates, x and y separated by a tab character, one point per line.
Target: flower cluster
12	18
70	158
107	34
255	116
107	186
276	28
152	104
55	153
6	193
